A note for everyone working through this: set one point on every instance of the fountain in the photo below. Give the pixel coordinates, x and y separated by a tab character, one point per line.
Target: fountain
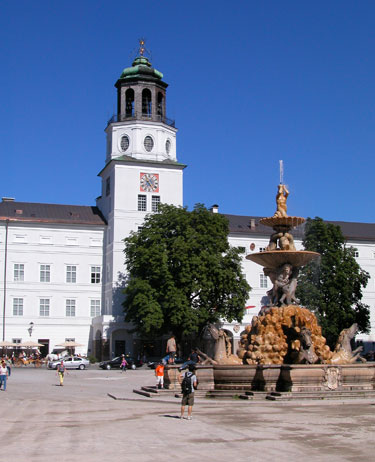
283	348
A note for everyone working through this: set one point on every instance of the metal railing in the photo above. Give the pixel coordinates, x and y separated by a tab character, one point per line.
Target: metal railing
142	116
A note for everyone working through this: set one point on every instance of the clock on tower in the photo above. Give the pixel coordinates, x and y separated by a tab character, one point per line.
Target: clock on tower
149	182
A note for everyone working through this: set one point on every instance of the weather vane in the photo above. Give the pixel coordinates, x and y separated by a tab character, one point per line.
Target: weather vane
141	46
141	50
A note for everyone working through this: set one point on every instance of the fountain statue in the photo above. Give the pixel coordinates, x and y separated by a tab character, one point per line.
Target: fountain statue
283	348
284	332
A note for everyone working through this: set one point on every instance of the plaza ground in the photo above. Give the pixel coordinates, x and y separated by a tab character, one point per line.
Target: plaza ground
41	421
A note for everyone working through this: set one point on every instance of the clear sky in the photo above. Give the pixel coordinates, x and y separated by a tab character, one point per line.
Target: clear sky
250	83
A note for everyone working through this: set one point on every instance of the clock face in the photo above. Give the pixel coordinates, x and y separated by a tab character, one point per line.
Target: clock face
149	182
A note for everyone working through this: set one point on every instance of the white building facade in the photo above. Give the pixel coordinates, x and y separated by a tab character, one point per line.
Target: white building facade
62	267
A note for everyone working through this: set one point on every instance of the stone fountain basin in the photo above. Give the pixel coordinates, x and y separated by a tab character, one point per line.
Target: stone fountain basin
276	258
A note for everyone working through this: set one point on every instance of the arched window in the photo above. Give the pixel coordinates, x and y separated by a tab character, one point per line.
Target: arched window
160	111
146	102
129	103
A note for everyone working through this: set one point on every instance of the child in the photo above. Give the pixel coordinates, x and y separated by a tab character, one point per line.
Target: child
123	364
159	372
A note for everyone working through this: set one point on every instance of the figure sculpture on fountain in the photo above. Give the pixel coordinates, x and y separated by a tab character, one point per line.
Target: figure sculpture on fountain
284	331
281	197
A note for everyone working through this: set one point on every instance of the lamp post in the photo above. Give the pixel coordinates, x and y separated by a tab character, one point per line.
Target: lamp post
30	329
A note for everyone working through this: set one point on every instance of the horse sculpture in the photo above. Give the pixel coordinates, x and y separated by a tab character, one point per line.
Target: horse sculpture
343	353
306	354
223	348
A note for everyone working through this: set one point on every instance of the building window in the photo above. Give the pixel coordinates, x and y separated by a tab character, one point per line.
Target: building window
45	273
263	281
71	274
142	203
17	306
94	308
129	103
146	103
168	146
19	271
17	341
95	275
44	307
20	238
108	186
155	203
148	143
71	241
124	143
47	240
356	253
70	308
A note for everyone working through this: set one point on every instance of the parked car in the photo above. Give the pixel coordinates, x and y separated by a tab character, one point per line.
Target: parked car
70	362
115	363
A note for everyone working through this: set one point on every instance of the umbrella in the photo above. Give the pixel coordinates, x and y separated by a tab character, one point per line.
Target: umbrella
6	344
30	344
69	345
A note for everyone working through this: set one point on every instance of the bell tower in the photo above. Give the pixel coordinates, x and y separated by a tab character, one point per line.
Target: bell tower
141	129
141	169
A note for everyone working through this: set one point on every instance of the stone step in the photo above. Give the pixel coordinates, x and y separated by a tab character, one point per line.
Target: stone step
319	395
236	394
152	391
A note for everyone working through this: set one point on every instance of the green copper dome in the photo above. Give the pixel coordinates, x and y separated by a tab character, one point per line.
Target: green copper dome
141	67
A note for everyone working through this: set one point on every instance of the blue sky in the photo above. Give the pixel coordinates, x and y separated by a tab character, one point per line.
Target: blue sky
251	82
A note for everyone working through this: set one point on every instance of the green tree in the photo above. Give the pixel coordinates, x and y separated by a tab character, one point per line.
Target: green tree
182	273
332	287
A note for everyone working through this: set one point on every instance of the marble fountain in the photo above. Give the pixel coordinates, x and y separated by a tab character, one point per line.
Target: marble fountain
283	348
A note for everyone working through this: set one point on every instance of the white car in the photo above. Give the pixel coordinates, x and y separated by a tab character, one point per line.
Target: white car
71	362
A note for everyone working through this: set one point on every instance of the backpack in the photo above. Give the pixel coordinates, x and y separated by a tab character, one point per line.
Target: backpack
186	386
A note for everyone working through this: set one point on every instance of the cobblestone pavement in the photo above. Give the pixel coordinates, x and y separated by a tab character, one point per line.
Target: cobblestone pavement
41	421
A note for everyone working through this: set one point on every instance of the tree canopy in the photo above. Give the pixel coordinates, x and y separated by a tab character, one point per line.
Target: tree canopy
182	273
332	288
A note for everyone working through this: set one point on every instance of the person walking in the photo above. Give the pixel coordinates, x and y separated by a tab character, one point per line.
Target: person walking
123	364
8	363
3	375
159	372
171	348
61	371
188	382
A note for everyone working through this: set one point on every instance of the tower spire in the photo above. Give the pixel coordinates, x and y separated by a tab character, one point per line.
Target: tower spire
141	46
142	50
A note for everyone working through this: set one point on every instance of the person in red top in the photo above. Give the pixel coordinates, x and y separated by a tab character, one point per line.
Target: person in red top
159	372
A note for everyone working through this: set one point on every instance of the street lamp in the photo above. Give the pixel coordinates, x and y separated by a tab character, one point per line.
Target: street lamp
30	329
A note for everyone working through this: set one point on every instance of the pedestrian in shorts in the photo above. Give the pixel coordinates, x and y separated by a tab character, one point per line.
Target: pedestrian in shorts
188	382
159	372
